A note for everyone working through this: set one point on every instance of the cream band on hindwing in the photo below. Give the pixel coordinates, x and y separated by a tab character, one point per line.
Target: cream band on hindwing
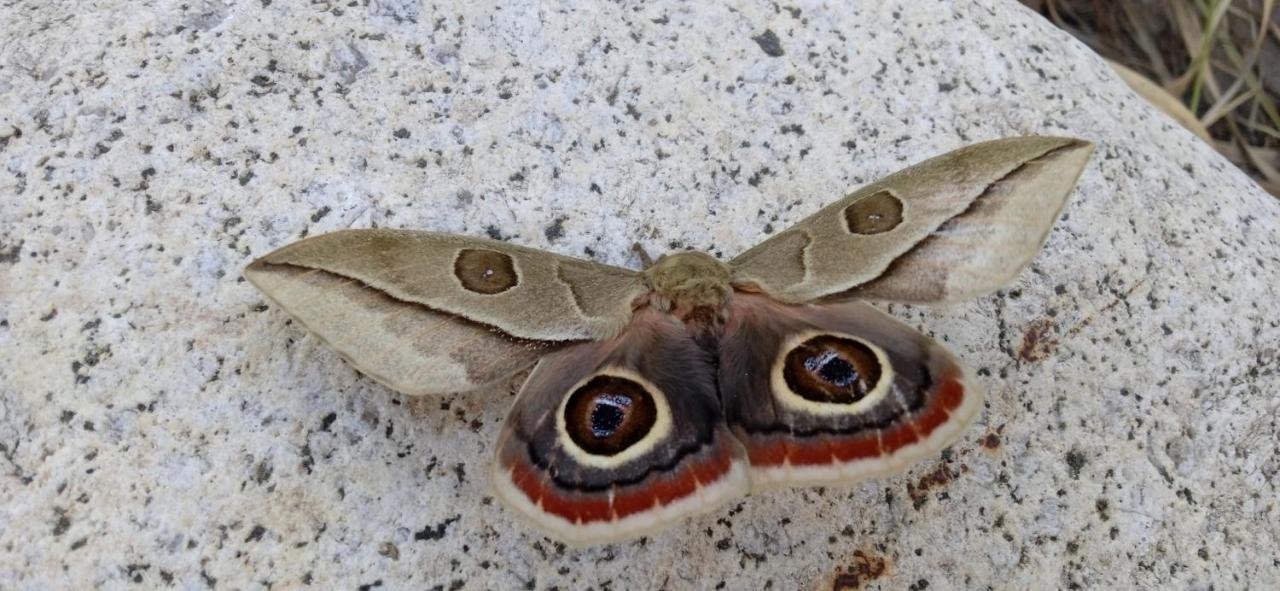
829	359
612	402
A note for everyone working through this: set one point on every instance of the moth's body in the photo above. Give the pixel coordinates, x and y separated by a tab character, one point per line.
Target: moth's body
694	287
667	392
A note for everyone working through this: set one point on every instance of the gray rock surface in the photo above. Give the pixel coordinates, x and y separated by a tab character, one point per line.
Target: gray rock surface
160	424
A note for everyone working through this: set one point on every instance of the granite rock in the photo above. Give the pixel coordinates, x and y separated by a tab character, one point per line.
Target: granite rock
161	424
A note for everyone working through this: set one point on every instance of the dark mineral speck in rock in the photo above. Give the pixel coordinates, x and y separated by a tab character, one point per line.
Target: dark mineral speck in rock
9	254
768	41
555	231
256	534
435	532
1075	462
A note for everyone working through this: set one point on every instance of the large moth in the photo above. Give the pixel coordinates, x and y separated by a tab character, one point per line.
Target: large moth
663	393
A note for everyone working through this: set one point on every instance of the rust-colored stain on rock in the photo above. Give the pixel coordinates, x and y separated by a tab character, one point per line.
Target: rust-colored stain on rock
919	492
866	567
1038	341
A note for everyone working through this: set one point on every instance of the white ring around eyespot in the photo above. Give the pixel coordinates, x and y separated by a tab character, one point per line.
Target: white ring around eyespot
794	401
660	429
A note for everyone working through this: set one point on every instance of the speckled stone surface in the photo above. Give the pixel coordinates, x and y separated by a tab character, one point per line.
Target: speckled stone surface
161	425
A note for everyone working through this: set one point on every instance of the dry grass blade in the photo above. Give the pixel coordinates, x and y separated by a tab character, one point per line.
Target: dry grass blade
1187	23
1266	162
1229	102
1199	69
1260	129
1147	43
1158	96
1221	58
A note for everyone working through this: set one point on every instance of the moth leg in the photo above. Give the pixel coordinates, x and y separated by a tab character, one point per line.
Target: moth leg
646	261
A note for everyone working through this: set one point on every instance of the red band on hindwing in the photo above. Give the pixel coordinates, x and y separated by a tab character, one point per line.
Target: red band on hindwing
857	448
951	393
816	450
656	491
766	451
896	438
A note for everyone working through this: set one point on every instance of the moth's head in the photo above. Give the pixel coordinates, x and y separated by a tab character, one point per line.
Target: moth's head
688	281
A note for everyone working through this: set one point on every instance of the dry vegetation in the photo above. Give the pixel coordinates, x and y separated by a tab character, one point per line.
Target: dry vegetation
1212	64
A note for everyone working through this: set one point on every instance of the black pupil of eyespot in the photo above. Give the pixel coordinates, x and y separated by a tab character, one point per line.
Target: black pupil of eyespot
608	413
833	368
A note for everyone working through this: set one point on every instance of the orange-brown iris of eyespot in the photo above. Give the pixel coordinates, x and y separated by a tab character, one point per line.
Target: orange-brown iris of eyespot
874	214
831	369
608	414
485	271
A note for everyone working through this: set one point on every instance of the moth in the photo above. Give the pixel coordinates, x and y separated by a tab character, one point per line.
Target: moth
666	392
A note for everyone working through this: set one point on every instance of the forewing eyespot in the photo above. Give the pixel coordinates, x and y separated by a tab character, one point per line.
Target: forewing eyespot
874	214
832	369
609	414
485	271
